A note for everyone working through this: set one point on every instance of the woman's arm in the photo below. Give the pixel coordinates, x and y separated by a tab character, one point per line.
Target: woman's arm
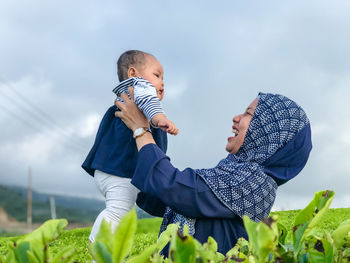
184	191
150	204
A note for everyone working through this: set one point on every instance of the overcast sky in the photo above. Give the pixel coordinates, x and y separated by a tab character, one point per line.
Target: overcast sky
58	67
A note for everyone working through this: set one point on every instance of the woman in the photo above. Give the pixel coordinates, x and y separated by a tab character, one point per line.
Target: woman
271	145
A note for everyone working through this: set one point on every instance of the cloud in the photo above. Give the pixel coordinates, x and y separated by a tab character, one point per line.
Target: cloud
61	57
175	91
88	126
34	149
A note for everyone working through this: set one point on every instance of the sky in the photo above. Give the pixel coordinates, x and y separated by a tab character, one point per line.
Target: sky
58	69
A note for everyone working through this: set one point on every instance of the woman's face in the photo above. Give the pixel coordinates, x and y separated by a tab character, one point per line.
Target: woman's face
240	126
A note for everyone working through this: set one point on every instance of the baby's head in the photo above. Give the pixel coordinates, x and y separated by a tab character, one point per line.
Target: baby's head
135	63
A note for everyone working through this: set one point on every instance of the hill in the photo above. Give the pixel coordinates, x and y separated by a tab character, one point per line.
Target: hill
76	210
14	201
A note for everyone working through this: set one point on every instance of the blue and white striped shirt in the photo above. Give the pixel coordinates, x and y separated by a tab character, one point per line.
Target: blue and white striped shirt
145	95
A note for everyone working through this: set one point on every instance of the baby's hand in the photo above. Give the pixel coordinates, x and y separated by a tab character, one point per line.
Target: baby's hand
168	126
161	121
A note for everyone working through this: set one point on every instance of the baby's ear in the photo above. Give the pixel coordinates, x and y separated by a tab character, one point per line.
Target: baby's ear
131	72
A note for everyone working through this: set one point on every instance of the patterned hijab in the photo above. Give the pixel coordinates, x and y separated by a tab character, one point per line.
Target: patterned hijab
275	149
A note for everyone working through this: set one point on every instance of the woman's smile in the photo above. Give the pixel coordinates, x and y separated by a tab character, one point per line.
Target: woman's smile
239	129
235	133
235	130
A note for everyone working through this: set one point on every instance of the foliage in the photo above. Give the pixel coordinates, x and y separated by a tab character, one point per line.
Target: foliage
76	238
268	241
303	240
146	235
8	234
33	248
114	247
149	225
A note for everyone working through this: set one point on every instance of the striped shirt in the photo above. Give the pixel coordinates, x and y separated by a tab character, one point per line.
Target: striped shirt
145	95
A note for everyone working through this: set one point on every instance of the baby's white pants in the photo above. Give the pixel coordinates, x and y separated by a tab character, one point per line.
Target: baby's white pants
120	196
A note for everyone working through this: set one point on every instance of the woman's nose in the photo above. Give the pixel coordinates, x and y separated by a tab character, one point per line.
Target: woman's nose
236	118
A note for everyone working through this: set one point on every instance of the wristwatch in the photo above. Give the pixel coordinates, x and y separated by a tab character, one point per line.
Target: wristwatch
141	131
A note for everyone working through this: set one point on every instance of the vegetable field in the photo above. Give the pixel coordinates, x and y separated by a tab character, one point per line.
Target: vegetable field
146	233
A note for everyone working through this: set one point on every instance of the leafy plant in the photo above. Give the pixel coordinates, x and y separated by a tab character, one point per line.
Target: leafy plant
33	248
115	247
268	241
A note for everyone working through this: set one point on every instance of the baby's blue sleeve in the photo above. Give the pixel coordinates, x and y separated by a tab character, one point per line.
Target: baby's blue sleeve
145	96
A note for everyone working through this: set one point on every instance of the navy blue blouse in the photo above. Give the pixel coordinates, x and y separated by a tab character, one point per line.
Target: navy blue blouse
162	185
114	151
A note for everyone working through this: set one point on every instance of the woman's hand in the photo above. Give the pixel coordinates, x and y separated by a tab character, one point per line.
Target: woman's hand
130	113
133	118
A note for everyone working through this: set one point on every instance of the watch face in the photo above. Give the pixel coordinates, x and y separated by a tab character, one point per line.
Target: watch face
138	131
141	131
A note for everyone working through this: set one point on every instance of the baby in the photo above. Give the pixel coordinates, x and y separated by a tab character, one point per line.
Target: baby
147	80
112	159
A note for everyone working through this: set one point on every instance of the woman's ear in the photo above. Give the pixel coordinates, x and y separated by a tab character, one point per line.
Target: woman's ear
131	72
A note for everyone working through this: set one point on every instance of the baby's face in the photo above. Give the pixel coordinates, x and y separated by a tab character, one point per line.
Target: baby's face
153	72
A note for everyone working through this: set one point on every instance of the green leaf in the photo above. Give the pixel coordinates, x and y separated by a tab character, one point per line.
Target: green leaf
10	257
282	233
263	236
250	259
298	234
303	258
33	247
345	255
239	253
185	230
321	252
101	253
182	249
286	257
241	248
48	231
310	216
340	233
251	228
32	258
145	256
203	253
105	235
211	244
65	255
166	236
124	236
37	249
208	251
21	252
156	258
219	257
